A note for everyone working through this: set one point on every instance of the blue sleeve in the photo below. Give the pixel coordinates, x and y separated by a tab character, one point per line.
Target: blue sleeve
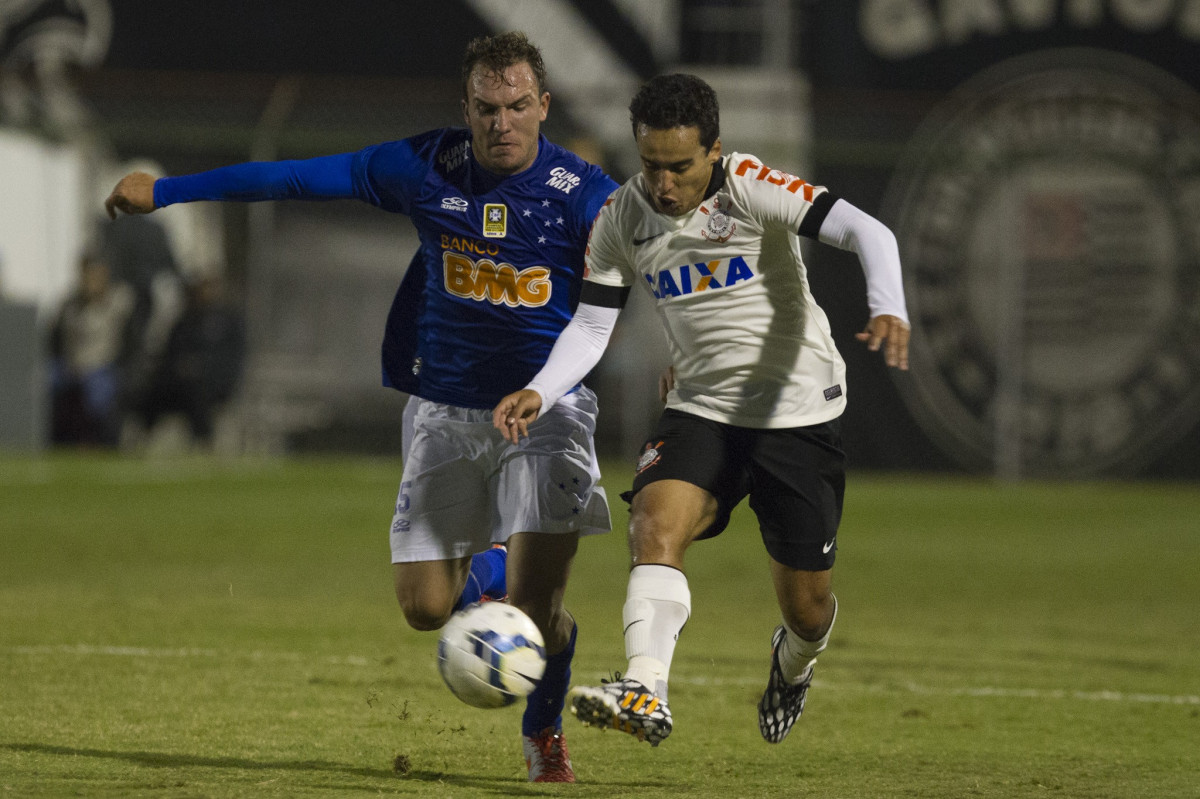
599	188
390	175
326	178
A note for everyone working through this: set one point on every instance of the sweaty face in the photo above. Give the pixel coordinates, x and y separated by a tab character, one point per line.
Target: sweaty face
504	112
676	166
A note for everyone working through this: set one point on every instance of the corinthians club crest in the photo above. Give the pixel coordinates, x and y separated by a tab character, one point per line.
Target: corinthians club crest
649	457
1049	221
720	225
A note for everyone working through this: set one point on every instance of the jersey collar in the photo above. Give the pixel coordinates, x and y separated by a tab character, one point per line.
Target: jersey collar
483	180
716	181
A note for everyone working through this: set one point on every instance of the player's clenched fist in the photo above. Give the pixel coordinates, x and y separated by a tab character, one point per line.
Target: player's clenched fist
513	414
133	194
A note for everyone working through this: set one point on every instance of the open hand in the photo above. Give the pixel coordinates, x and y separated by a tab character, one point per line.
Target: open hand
895	332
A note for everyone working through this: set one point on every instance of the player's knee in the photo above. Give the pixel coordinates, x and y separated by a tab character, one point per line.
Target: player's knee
656	538
423	614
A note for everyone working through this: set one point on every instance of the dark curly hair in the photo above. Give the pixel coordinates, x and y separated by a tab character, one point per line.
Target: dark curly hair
672	101
498	52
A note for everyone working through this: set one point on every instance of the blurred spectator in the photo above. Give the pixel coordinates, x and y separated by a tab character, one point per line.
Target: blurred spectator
139	253
589	149
201	363
89	346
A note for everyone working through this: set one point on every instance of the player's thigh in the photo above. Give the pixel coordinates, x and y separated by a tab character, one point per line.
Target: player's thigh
666	517
690	476
550	482
443	506
797	494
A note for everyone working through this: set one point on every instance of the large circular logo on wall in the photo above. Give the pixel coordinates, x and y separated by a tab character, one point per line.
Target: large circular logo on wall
1048	215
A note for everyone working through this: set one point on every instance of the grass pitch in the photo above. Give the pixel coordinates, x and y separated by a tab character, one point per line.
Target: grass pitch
199	628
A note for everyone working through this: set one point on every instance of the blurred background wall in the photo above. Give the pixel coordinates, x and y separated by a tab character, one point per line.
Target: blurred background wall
1038	160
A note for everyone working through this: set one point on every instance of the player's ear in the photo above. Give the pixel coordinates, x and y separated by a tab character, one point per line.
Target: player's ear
466	115
545	103
714	152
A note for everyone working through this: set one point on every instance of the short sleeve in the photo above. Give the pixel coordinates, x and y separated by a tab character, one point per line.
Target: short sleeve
774	197
606	259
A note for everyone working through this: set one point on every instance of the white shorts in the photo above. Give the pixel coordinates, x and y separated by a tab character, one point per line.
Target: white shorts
465	488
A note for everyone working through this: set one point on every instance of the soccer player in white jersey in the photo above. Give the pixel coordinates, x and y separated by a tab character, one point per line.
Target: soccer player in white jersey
755	398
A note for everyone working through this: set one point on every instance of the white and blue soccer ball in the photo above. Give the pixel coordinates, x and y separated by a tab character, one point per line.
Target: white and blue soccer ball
491	654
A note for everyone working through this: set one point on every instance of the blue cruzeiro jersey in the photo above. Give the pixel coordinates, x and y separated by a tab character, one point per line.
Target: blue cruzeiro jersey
498	271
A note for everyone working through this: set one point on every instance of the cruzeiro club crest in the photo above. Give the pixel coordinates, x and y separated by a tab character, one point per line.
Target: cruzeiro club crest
1049	221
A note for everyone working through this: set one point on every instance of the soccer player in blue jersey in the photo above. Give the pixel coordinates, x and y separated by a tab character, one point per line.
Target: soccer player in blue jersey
503	217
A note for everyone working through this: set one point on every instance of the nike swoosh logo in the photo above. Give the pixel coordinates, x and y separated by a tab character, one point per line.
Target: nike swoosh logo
640	242
635	621
828	546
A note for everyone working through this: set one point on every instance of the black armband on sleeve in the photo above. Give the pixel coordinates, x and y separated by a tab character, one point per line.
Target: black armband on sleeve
810	226
604	296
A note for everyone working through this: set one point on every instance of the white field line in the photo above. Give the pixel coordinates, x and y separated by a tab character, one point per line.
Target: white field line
28	473
186	652
358	660
982	691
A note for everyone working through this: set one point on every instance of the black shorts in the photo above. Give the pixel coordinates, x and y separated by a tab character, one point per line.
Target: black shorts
795	478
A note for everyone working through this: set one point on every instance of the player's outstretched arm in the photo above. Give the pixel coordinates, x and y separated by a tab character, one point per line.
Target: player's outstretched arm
133	194
327	177
892	330
513	414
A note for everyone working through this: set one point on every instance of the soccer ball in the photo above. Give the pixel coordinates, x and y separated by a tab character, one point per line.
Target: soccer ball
491	654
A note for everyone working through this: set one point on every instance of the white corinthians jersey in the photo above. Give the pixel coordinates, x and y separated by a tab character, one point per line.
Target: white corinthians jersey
749	344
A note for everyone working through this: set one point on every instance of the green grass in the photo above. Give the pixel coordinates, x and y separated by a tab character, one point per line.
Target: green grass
202	628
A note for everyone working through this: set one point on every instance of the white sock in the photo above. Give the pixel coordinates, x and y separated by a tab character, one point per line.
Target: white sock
796	654
657	605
